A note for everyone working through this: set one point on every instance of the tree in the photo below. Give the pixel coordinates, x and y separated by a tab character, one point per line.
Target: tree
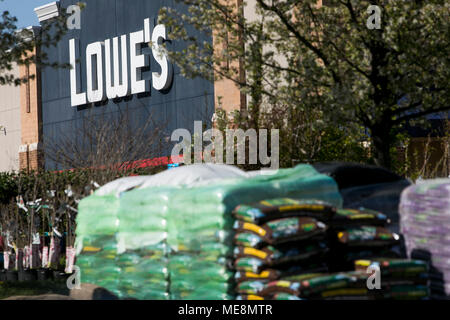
324	64
103	140
22	46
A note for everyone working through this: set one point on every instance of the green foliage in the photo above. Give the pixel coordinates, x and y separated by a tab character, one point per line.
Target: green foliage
338	143
8	187
22	46
310	68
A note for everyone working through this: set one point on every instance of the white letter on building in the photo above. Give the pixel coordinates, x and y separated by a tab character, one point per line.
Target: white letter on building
95	92
116	88
77	99
138	85
163	80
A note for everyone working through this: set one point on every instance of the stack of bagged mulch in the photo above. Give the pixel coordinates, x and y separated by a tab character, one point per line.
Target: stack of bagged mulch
285	249
171	236
425	224
279	238
343	285
398	279
360	234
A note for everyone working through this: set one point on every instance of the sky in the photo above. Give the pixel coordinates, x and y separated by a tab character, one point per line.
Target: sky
23	10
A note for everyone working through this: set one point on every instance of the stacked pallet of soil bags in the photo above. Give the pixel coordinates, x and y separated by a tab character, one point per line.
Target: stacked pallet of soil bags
142	244
322	286
282	243
279	238
199	238
96	236
359	234
97	225
185	227
399	279
201	227
425	224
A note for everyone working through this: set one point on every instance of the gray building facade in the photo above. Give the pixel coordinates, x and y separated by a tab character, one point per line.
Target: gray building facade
10	125
177	106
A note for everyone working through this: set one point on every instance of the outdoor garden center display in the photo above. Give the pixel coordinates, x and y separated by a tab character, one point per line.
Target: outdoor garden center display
289	249
215	232
156	239
400	279
425	223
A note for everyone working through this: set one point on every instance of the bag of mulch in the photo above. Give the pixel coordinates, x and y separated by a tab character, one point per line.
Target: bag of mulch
281	272
248	239
367	236
254	260
249	297
265	275
301	277
421	280
256	265
288	287
309	287
332	287
250	287
263	211
355	289
277	296
408	292
361	217
344	258
284	296
348	294
278	231
396	268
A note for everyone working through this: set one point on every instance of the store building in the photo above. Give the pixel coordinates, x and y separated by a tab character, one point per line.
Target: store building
20	120
51	106
151	88
10	126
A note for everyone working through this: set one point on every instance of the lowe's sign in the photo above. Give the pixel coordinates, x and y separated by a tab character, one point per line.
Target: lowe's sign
114	66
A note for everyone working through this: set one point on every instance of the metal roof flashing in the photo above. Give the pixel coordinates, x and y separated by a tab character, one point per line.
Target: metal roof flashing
47	11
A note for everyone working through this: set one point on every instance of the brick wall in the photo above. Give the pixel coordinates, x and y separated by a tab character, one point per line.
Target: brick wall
30	153
226	93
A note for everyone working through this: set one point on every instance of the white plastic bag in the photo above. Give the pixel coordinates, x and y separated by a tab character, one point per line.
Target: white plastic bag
192	175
